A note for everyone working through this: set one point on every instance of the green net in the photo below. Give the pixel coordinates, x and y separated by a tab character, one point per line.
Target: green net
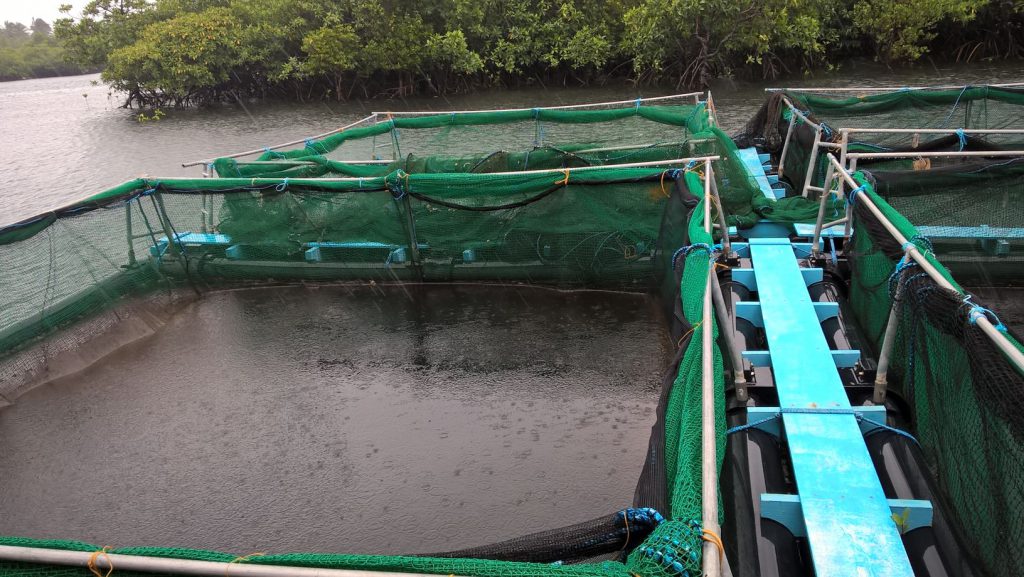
83	267
964	394
480	141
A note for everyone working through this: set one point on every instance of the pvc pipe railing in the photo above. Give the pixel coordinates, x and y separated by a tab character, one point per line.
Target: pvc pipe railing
1013	354
709	461
888	88
694	95
282	145
115	562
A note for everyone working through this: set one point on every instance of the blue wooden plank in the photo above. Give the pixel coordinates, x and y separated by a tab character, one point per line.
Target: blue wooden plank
979	232
804	230
785	510
750	160
849	526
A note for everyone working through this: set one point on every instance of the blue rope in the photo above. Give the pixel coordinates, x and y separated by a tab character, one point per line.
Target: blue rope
977	311
955	104
884	427
638	104
851	198
752	425
283	186
962	137
894	278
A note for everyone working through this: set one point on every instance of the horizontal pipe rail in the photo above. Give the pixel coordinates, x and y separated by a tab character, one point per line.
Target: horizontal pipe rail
999	339
934	154
800	114
934	130
113	561
652	163
887	88
694	95
282	145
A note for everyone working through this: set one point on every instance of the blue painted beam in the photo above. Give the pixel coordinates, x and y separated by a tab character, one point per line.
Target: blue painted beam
849	525
768	419
751	311
909	514
752	164
843	359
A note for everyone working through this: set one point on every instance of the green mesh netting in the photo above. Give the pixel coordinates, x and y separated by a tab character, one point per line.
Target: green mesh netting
964	394
466	142
596	227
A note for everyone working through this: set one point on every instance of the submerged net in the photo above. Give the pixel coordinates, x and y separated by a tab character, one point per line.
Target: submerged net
966	397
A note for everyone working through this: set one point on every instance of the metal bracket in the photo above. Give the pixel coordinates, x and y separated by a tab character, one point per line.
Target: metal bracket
766	418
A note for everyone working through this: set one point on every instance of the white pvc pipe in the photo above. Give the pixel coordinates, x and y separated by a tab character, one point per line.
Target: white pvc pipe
800	115
887	88
282	145
694	95
1014	355
310	181
106	561
709	459
934	130
935	154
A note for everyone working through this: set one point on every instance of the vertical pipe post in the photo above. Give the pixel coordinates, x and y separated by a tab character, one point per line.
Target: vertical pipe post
725	329
813	160
785	144
888	342
826	193
709	459
726	243
130	235
165	222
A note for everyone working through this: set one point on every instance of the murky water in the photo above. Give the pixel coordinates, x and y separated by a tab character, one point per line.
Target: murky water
65	138
345	419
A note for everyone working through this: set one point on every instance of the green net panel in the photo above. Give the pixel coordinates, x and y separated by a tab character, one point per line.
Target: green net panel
964	394
86	264
980	107
481	141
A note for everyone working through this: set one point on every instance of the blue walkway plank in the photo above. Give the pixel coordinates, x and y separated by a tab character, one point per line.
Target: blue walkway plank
751	162
849	526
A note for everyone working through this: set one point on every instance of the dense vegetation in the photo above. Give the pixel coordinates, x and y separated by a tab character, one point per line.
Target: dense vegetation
193	51
32	52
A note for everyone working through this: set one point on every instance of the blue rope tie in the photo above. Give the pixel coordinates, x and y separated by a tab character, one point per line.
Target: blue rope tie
282	186
962	137
536	112
883	427
894	278
638	104
752	425
977	311
955	104
851	198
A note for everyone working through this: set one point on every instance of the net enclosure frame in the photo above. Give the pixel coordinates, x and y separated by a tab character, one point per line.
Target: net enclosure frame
684	533
377	117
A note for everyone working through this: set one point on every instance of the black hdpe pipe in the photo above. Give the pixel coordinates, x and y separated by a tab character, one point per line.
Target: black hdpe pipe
933	551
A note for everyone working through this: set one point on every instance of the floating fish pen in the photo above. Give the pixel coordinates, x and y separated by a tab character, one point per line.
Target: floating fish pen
838	403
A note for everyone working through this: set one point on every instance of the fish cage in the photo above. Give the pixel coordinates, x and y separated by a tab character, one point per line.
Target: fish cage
917	190
838	404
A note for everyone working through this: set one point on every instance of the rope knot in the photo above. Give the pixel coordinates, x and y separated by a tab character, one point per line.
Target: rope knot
565	181
282	186
93	558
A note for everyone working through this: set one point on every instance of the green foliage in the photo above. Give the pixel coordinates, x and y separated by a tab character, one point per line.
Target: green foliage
901	31
35	55
309	48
